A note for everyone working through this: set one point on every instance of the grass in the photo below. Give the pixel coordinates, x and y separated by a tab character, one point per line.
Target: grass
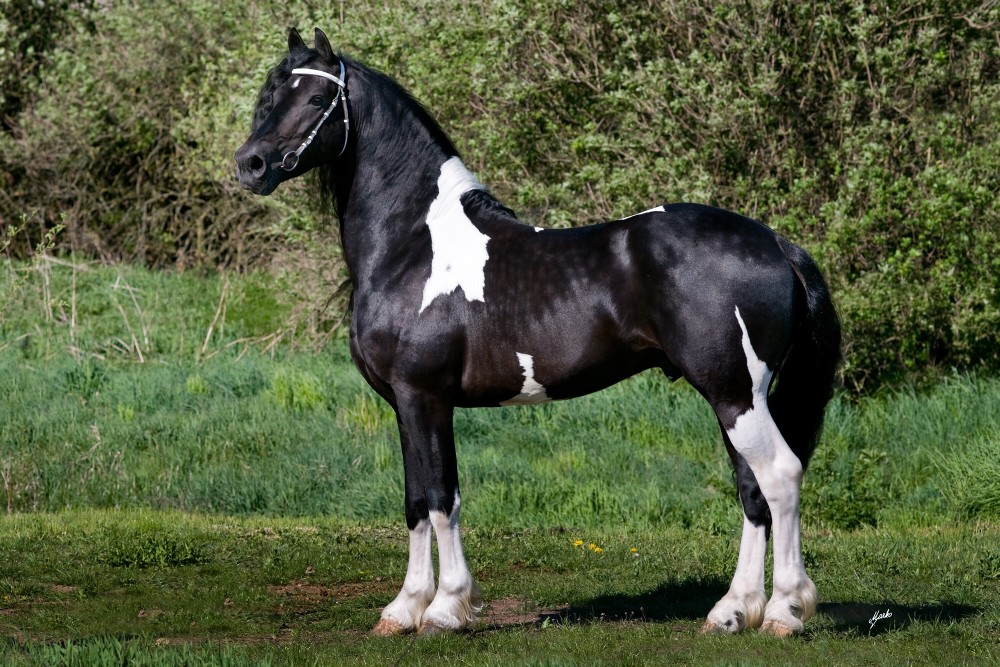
305	591
301	435
189	481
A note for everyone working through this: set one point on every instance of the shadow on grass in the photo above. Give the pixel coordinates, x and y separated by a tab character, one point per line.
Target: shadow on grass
868	619
692	600
677	601
681	601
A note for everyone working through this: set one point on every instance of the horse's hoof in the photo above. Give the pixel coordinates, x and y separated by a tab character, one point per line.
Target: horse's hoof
779	629
712	628
387	627
429	628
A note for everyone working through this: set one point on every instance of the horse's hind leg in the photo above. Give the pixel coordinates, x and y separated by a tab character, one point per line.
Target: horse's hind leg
743	606
755	437
778	471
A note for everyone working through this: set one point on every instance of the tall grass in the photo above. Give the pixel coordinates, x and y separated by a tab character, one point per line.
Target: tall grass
125	388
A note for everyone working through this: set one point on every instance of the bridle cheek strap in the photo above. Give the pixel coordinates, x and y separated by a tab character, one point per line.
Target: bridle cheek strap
291	158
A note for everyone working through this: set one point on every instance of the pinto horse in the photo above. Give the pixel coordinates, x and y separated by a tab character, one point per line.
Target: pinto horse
457	303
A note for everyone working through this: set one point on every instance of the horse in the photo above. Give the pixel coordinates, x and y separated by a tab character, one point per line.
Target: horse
458	304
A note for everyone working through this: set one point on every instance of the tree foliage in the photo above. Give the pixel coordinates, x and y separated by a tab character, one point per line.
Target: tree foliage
865	131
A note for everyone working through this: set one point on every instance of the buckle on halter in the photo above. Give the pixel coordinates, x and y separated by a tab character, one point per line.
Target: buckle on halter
290	161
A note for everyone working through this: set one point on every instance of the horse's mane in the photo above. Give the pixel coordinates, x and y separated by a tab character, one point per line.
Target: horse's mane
376	85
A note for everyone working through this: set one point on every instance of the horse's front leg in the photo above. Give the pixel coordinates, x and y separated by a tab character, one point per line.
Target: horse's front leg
432	500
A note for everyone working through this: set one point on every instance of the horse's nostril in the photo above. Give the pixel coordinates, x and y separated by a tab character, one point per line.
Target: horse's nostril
256	163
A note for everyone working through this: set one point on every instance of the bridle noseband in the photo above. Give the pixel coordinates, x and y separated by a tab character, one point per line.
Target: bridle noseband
291	158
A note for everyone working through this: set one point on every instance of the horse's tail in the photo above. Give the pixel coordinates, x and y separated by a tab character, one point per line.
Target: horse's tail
806	378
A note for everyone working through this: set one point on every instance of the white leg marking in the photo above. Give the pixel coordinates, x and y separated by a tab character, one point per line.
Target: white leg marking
459	249
531	391
779	473
458	598
743	606
418	586
655	209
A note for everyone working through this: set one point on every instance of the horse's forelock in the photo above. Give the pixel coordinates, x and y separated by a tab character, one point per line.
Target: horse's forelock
277	76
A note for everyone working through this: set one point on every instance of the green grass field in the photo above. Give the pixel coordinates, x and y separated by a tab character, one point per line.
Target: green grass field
190	479
169	586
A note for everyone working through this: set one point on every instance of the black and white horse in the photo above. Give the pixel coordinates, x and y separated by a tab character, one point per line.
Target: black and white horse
458	304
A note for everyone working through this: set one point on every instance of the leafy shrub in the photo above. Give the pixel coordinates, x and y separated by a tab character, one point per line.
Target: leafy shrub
28	31
866	133
118	136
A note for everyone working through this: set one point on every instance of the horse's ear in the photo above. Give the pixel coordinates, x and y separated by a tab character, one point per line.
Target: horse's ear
323	46
295	41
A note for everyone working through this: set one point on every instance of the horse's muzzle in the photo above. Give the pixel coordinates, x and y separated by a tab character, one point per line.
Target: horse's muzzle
252	171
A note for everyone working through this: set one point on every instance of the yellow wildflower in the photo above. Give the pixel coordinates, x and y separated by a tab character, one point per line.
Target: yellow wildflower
578	543
598	550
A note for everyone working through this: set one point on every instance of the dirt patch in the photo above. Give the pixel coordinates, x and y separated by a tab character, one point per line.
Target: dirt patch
309	591
60	588
502	613
510	611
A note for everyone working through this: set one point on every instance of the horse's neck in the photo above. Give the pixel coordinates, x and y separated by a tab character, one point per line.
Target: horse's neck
396	178
383	215
405	176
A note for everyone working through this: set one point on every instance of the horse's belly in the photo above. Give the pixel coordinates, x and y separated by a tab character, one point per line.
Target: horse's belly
502	377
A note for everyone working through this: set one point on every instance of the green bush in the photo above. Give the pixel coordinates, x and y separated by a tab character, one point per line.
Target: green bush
866	132
130	136
29	30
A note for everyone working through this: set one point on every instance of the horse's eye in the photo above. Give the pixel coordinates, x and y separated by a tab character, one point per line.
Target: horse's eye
317	101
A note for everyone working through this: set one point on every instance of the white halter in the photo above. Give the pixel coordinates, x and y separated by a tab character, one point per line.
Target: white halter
291	159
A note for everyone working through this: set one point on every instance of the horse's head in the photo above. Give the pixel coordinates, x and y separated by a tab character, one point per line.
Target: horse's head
301	119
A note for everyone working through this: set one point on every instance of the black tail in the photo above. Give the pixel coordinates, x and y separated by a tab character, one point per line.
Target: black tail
806	377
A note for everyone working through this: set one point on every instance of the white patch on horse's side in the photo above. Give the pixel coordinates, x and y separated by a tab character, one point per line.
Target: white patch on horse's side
459	249
539	229
655	209
295	84
778	471
458	598
531	391
418	586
